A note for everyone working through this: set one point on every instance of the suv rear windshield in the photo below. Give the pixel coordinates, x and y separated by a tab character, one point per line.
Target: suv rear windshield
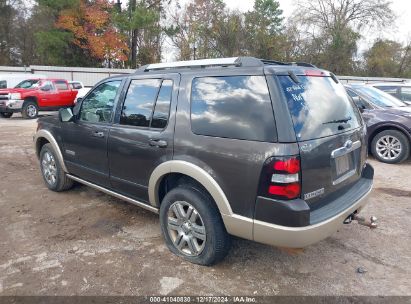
319	107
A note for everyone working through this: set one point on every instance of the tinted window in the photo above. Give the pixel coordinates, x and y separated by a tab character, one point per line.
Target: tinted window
61	85
389	89
378	97
233	107
3	84
98	106
162	108
406	93
47	86
319	107
139	102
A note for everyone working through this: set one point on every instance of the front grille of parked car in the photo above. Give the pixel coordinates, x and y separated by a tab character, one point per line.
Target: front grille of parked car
4	97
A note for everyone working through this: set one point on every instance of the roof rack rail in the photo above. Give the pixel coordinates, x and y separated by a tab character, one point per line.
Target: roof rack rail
233	61
220	62
274	62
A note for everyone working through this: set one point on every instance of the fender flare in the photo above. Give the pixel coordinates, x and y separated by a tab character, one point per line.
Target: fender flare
50	138
235	224
195	172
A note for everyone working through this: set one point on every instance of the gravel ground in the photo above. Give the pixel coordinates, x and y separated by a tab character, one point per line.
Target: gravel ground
83	242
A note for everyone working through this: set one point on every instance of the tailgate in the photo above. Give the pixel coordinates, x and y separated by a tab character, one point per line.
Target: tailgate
330	134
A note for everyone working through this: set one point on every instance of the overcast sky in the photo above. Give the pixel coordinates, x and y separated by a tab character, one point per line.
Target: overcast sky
400	31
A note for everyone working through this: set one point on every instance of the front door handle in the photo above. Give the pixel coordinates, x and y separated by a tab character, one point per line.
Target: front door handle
158	143
98	134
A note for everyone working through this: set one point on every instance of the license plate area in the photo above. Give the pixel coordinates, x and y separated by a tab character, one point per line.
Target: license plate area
344	167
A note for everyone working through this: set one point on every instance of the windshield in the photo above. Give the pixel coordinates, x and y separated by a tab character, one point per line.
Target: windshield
379	97
28	84
319	107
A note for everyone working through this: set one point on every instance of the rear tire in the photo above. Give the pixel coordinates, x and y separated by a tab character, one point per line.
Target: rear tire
30	110
6	115
198	233
52	172
391	147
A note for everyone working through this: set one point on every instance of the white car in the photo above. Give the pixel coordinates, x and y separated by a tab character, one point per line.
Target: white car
81	90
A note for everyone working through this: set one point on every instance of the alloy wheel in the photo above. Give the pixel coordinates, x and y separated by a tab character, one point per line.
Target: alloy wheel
186	228
49	168
31	111
388	147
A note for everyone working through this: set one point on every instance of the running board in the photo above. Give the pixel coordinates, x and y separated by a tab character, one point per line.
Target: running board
115	194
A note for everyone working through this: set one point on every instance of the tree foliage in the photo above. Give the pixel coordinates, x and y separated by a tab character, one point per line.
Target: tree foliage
331	29
92	31
131	33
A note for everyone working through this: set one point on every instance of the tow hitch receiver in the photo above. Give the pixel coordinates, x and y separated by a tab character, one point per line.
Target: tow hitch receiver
371	223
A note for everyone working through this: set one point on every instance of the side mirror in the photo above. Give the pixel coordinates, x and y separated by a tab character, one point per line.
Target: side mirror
66	115
79	99
45	88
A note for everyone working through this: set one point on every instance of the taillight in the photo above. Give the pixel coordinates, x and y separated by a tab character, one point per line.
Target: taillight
280	178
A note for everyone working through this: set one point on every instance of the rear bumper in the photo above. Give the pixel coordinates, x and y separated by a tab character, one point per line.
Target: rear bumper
11	106
326	221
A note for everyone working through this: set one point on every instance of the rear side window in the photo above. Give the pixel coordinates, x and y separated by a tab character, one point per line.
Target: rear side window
61	85
388	89
147	103
406	93
319	107
3	84
237	107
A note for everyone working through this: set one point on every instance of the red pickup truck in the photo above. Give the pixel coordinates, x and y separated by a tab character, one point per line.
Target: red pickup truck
34	95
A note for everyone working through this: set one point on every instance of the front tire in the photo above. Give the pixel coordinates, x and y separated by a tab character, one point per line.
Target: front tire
6	115
30	110
192	226
53	175
391	147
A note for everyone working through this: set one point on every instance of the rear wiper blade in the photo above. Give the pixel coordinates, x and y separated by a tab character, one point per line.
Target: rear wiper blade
344	120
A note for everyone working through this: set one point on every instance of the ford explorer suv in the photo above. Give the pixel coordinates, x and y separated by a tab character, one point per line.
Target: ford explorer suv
34	95
263	150
388	123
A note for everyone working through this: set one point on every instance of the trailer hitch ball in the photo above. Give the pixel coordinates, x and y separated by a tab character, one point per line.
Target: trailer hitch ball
371	223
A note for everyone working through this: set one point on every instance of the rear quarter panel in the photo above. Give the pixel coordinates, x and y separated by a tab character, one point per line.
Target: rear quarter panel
234	164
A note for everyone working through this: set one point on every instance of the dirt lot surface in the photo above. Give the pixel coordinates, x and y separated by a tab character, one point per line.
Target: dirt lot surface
83	242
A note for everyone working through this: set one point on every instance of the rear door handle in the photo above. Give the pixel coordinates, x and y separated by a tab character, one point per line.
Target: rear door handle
98	134
158	143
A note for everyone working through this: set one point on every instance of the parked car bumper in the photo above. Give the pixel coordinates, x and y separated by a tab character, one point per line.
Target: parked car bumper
11	106
324	222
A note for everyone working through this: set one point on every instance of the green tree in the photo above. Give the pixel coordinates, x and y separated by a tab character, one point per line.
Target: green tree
263	27
332	29
384	58
141	22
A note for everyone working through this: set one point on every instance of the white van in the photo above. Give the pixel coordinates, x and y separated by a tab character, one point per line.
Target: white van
11	80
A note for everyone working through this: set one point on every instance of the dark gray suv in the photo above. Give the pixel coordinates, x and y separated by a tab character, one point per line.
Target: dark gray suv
267	151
